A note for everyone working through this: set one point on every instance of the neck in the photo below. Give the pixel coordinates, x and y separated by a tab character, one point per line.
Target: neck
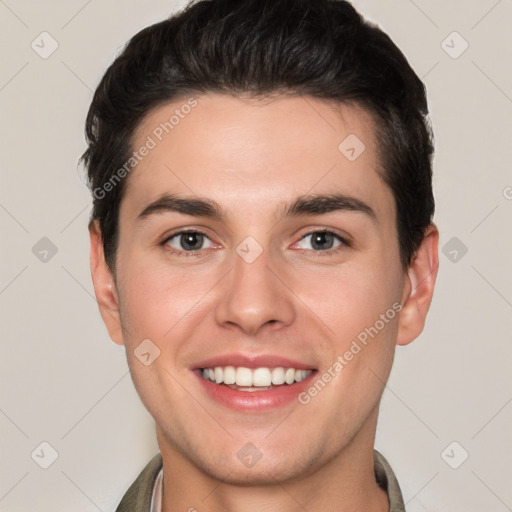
346	482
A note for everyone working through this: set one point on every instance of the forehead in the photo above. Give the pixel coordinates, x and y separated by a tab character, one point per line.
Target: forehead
243	152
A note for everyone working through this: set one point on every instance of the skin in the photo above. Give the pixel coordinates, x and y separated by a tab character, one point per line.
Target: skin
251	157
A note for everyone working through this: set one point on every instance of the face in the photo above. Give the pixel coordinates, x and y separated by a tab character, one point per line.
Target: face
256	249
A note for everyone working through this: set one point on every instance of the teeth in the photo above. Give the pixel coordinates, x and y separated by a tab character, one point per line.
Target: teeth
300	375
243	377
278	376
259	377
219	374
289	376
229	375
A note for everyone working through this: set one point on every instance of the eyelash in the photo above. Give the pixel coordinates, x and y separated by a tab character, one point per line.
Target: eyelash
328	252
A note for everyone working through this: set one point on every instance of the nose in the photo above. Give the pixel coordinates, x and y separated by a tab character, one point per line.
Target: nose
255	296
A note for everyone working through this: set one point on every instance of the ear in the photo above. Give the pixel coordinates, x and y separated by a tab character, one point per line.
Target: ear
419	288
104	285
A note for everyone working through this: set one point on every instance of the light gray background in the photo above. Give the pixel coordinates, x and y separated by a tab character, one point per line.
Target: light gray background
65	383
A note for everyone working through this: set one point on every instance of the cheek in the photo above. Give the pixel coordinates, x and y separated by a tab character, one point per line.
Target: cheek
349	298
359	303
154	298
174	308
367	333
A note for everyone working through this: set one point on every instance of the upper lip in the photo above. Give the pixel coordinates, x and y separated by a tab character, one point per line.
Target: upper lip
252	361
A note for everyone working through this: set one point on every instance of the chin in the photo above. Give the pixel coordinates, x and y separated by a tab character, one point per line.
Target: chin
261	474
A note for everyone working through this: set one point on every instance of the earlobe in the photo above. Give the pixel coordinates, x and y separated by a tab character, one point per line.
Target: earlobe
419	288
104	285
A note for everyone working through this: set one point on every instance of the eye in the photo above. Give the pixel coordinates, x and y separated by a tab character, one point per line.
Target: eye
187	241
324	240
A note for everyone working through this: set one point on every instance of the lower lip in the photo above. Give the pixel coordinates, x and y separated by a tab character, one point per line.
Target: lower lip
254	400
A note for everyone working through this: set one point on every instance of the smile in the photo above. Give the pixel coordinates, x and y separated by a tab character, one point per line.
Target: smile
258	379
256	389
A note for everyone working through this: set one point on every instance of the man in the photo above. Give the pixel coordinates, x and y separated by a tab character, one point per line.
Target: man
261	240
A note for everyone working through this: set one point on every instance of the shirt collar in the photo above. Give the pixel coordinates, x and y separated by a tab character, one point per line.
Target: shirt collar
383	475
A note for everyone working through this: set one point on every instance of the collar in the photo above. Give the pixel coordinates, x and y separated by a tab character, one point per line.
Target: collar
145	494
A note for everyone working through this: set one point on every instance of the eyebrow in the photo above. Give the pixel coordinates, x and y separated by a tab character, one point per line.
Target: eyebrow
302	206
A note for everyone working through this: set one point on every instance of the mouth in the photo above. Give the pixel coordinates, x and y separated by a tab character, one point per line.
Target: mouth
253	384
251	380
